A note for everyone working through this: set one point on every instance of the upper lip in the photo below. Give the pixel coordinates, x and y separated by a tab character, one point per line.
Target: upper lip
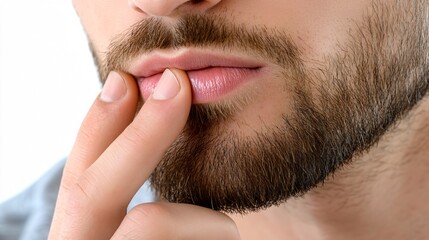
187	60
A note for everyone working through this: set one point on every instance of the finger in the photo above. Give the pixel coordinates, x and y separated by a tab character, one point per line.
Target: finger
98	203
176	221
110	113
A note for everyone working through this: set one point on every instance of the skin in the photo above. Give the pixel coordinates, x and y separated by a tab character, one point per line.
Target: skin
109	148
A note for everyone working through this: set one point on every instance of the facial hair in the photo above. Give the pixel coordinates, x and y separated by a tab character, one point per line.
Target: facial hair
374	79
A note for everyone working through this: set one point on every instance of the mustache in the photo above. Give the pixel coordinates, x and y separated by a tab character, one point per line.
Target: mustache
199	31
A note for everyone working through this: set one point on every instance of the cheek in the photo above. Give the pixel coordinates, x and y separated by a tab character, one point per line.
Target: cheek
316	26
105	19
319	27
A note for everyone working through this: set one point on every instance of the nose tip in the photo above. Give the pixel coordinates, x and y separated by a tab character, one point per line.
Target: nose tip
163	8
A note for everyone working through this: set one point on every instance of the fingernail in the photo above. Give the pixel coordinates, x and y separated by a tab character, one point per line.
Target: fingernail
114	88
168	86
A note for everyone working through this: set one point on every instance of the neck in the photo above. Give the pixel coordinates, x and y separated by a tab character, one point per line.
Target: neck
381	194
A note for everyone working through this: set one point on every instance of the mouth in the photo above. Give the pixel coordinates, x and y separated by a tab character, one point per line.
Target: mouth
213	76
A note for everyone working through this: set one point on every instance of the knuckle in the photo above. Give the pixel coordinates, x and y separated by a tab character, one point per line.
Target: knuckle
68	180
230	228
79	195
234	234
137	133
149	213
147	221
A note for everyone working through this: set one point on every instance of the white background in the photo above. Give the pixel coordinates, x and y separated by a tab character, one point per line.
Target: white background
47	83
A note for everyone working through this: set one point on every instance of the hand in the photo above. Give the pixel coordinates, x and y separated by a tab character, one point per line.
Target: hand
114	154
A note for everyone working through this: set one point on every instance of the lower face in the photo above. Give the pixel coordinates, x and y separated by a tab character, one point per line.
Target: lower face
327	81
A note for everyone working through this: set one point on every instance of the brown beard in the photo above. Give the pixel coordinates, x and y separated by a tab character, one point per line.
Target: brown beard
374	79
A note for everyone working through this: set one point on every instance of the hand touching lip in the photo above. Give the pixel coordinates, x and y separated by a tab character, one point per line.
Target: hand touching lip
212	76
112	159
208	84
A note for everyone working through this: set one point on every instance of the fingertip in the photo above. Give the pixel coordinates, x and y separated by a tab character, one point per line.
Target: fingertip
131	85
172	89
184	82
168	86
117	86
114	88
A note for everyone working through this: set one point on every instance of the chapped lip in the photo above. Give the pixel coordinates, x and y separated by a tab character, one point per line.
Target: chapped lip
187	60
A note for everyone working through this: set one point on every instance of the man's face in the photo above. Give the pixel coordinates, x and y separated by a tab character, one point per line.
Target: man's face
285	92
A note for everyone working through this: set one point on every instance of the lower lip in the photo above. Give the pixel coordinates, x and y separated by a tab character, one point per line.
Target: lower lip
208	85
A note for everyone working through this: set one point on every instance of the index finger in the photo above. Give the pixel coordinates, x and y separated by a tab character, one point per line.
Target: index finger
99	201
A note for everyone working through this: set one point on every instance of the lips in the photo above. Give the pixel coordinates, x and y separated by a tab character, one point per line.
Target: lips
212	76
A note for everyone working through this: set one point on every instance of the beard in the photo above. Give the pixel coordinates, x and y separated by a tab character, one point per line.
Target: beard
338	110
